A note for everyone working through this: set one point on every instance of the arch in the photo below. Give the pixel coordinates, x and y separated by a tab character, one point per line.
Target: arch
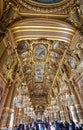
33	28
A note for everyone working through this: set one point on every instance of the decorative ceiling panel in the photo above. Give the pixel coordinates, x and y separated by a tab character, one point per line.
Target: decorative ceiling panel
40	52
47	6
39	72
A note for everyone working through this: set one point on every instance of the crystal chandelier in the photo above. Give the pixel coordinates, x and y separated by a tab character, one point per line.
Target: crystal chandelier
21	101
30	112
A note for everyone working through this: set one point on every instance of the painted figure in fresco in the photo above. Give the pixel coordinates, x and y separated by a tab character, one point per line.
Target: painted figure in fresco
40	51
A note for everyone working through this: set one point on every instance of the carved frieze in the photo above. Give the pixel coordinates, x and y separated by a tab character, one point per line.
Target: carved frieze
41	7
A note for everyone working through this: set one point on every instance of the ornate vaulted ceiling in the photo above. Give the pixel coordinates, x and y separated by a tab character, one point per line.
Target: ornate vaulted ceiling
38	45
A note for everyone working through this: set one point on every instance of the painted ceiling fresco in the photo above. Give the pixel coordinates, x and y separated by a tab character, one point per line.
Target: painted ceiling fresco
48	1
40	59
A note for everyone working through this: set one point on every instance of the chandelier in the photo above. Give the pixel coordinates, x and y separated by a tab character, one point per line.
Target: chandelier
30	112
21	101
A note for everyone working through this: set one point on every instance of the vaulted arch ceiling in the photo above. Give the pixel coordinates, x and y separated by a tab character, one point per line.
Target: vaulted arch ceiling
40	48
34	29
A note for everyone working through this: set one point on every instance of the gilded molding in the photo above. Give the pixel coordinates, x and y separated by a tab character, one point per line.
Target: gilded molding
19	38
51	8
1	8
44	15
52	29
3	78
28	28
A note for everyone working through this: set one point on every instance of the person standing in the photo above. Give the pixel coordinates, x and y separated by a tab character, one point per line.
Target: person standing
21	127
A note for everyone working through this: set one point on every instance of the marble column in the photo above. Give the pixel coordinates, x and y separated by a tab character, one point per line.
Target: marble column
4	114
25	117
67	113
49	116
62	115
79	92
60	103
7	109
73	113
11	117
52	116
4	96
72	108
71	103
77	103
56	115
16	116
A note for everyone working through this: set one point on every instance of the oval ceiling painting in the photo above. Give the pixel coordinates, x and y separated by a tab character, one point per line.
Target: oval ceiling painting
48	1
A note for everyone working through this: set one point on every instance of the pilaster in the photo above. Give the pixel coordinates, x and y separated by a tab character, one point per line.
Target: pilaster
76	108
77	103
7	107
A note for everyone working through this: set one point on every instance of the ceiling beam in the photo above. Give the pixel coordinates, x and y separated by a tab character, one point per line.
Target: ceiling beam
60	64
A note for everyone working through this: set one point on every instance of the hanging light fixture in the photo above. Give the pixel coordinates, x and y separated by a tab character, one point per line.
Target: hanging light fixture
20	101
29	111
